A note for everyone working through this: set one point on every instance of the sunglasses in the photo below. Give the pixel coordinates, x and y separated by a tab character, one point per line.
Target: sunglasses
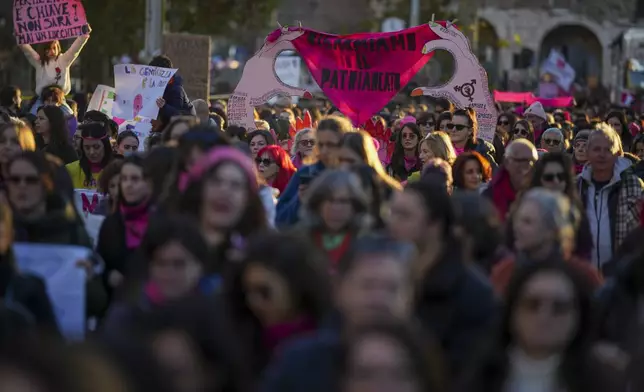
504	123
555	306
408	135
521	132
552	142
307	143
458	127
264	161
28	180
550	177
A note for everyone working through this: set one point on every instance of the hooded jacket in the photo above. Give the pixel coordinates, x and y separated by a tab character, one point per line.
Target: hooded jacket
176	100
613	211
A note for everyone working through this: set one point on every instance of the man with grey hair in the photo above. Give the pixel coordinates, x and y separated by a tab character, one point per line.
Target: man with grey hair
203	112
513	176
552	140
610	192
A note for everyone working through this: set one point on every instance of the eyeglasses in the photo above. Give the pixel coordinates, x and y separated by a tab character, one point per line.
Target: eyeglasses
27	180
555	306
552	142
550	177
264	161
408	135
521	132
307	143
520	161
504	123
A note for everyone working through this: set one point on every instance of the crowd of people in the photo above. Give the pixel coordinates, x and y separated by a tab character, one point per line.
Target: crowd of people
310	255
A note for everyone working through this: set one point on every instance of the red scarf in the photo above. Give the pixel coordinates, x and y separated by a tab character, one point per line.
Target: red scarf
503	194
135	219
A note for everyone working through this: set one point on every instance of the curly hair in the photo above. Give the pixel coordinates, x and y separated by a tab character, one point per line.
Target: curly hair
458	170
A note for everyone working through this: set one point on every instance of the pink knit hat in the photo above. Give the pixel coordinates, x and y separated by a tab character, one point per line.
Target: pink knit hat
213	158
407	120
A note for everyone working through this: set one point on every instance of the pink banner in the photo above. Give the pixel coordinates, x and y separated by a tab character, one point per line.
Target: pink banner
513	97
559	102
361	73
44	21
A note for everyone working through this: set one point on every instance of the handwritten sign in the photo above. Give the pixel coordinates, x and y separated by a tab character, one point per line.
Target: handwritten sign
137	89
56	265
259	82
469	85
191	55
37	21
102	99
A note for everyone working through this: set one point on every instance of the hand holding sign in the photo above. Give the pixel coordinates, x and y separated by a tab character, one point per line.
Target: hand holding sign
259	82
468	87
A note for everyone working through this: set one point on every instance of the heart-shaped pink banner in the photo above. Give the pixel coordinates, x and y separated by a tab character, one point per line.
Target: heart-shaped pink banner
361	73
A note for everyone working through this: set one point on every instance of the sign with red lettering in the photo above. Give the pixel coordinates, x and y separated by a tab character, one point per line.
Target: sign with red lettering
37	21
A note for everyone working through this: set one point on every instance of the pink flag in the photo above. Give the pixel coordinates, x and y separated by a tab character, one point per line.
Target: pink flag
44	21
361	73
511	96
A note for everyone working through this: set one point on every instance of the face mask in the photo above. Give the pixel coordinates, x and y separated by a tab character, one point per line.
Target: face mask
128	153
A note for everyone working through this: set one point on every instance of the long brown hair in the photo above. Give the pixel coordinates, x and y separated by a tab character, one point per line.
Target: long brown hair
44	60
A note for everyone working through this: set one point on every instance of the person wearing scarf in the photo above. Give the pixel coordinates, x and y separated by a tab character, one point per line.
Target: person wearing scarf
96	154
122	231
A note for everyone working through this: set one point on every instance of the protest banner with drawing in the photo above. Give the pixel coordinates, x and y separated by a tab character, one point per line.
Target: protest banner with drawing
40	21
102	99
137	89
190	54
65	281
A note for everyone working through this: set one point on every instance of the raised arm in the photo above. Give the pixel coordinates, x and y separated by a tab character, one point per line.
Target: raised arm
30	54
68	58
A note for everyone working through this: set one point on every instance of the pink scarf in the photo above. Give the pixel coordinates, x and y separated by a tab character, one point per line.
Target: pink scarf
276	334
153	293
135	219
95	167
410	163
458	150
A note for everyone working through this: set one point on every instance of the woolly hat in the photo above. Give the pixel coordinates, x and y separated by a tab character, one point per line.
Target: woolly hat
536	109
215	157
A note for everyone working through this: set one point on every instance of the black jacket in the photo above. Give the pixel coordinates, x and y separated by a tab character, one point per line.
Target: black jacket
456	303
64	152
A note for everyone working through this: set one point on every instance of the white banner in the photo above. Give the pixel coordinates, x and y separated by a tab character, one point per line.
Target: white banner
557	66
141	126
288	70
102	99
56	265
137	89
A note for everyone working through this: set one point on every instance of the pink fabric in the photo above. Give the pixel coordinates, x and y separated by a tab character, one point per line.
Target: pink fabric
345	67
407	120
634	128
510	96
95	167
135	220
410	163
459	151
276	334
153	293
213	158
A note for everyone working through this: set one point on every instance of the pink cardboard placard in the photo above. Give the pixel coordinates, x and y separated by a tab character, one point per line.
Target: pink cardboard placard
37	21
469	85
259	82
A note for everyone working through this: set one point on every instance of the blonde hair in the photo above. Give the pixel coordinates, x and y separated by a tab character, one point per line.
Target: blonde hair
24	133
609	133
263	125
362	144
441	146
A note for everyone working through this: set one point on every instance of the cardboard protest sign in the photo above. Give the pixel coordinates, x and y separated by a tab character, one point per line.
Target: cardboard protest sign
56	265
259	82
469	85
361	73
137	89
190	54
87	200
102	99
37	21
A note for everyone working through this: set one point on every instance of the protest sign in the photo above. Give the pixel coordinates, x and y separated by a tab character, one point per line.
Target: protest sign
468	87
87	200
102	99
142	127
361	73
56	265
259	82
190	54
137	89
37	21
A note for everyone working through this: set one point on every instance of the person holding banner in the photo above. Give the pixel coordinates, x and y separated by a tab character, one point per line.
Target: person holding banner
96	153
175	101
52	65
